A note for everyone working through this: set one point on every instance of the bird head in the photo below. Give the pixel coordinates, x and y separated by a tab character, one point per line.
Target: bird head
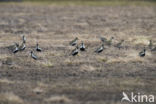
24	39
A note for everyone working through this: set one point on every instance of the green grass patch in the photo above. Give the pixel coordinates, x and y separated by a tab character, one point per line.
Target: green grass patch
92	2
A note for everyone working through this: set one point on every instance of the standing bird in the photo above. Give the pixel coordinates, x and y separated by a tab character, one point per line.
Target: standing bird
109	42
75	51
142	53
150	44
38	48
33	56
100	49
24	39
73	42
22	47
82	47
118	45
16	49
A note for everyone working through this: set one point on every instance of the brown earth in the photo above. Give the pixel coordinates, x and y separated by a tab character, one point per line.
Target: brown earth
89	78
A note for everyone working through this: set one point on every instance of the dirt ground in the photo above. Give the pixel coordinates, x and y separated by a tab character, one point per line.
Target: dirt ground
88	78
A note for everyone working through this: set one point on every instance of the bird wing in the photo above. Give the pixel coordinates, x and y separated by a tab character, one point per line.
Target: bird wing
71	42
98	49
34	56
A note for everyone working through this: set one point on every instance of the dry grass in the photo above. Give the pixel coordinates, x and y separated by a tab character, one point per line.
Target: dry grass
4	56
10	98
58	99
58	77
101	59
6	81
73	61
137	40
87	68
44	62
132	82
125	60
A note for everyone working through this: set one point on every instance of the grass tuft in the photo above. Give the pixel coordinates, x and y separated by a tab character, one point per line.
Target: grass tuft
87	68
58	99
10	98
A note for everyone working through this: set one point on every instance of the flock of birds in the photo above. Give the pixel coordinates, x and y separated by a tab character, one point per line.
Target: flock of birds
107	42
16	47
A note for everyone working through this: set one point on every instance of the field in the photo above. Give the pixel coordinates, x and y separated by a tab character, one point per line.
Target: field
88	78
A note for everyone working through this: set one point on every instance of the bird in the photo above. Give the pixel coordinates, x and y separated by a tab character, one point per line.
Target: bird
73	42
109	42
75	51
150	44
16	49
118	45
12	47
33	55
22	47
100	49
142	53
82	47
103	39
38	48
24	39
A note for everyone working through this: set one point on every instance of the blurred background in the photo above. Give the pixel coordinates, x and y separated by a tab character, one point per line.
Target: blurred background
76	0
